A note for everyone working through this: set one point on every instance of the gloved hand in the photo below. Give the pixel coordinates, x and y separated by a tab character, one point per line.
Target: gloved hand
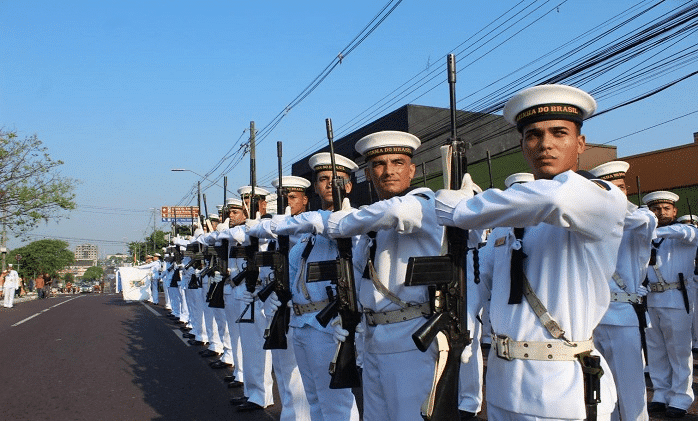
248	297
447	200
340	334
223	225
251	223
273	301
642	291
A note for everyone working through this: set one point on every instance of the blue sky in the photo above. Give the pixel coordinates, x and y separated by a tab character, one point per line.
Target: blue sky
124	91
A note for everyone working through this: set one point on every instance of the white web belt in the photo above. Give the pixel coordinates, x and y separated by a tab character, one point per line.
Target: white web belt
541	351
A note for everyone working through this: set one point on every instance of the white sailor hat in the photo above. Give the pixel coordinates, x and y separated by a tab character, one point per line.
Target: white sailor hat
245	191
234	202
292	183
660	197
157	255
323	162
387	142
214	217
612	170
548	102
688	219
519	177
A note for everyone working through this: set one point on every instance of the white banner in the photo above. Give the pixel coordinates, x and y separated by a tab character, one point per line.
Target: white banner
135	283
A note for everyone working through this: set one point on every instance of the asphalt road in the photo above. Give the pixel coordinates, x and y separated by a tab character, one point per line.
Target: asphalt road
96	357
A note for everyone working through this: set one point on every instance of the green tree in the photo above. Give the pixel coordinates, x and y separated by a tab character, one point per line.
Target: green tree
31	188
69	277
93	273
42	256
153	243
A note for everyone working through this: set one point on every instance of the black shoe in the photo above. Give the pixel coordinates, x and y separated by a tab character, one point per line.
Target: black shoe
194	342
466	416
179	322
220	364
208	353
229	379
235	384
655	407
239	400
188	335
185	328
248	406
673	412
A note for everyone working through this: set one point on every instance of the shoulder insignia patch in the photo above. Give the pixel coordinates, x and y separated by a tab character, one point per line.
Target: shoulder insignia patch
601	184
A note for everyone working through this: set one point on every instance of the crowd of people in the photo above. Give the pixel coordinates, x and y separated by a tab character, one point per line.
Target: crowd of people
570	280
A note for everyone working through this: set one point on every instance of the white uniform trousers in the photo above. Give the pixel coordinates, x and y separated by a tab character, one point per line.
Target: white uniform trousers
495	413
288	380
214	341
256	360
232	312
314	350
155	291
168	300
175	300
395	385
693	295
9	296
471	375
670	356
221	326
621	347
196	313
184	306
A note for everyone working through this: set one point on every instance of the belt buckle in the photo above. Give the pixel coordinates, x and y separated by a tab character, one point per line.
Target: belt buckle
296	309
503	347
369	318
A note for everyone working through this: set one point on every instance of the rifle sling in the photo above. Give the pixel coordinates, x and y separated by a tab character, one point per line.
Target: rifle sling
300	284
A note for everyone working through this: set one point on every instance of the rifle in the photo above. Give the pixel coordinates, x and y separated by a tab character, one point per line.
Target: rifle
446	277
343	369
208	221
639	195
275	333
251	269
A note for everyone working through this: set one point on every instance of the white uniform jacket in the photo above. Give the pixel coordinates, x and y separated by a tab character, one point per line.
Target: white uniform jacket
573	231
633	256
405	226
675	254
308	225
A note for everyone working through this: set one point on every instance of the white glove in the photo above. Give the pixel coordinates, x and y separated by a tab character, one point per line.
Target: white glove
223	225
340	334
251	223
642	291
248	297
447	200
274	302
331	227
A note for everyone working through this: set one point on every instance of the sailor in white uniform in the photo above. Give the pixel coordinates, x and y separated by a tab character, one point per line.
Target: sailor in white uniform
397	376
618	335
559	256
313	344
155	280
670	360
288	377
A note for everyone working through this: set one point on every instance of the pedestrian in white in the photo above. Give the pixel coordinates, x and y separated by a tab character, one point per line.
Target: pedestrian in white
10	285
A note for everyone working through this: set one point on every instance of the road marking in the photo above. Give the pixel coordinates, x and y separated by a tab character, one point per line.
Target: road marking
177	334
42	311
150	308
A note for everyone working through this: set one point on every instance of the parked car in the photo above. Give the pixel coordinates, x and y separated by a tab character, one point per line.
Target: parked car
85	288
